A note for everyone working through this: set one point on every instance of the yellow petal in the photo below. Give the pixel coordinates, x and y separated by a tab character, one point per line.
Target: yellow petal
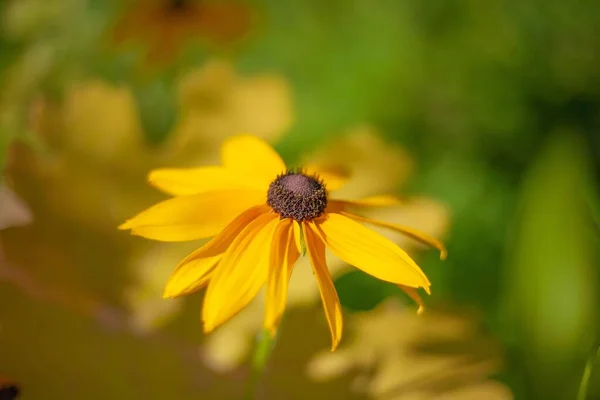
186	181
284	255
193	217
413	294
410	232
195	270
368	251
298	236
334	177
241	273
253	159
329	296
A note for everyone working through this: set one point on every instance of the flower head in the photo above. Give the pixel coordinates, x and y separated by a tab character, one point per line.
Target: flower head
262	216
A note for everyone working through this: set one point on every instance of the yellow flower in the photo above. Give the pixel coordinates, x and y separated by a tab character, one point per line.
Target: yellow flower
374	166
262	216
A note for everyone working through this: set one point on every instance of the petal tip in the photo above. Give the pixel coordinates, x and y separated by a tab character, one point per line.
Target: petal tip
207	328
169	293
334	345
420	310
443	254
125	225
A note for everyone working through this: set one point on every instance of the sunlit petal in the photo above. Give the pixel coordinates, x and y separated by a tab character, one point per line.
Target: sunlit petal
241	273
331	302
333	177
195	270
298	236
284	255
410	232
368	251
193	217
253	159
186	181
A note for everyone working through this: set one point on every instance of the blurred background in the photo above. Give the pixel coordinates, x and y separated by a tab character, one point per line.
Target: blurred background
485	117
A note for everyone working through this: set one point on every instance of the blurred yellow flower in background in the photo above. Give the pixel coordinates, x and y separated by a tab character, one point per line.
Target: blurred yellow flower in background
372	166
402	356
264	241
165	27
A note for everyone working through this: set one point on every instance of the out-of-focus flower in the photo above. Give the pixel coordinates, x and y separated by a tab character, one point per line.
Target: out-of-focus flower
165	27
217	103
373	166
264	241
13	210
437	355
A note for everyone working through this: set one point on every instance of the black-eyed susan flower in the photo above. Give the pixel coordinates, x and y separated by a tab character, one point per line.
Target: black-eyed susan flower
263	216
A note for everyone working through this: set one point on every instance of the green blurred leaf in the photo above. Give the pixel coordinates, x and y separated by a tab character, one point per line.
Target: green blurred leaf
157	106
551	286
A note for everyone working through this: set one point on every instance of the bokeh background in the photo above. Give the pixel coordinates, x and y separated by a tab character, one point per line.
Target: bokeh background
484	116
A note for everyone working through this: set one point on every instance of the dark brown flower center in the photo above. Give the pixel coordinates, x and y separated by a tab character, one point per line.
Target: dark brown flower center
298	196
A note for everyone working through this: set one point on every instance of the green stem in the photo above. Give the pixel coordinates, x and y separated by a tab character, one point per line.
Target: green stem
587	373
262	351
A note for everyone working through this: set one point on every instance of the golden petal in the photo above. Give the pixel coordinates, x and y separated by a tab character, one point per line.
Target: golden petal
329	296
253	159
284	255
195	270
369	251
241	273
193	217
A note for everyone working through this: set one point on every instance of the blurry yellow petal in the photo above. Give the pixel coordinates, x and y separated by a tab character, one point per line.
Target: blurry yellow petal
413	294
329	296
284	255
195	270
193	217
241	273
371	201
185	181
410	232
334	177
368	251
253	159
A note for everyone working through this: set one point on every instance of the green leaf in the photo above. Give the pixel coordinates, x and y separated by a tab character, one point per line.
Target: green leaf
552	283
157	107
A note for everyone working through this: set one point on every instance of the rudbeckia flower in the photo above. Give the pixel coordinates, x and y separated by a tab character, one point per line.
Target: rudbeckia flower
263	216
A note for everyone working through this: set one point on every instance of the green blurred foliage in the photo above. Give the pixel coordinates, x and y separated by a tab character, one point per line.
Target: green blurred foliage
551	289
473	89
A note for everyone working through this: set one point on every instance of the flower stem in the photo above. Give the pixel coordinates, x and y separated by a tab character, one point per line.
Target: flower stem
587	373
262	350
